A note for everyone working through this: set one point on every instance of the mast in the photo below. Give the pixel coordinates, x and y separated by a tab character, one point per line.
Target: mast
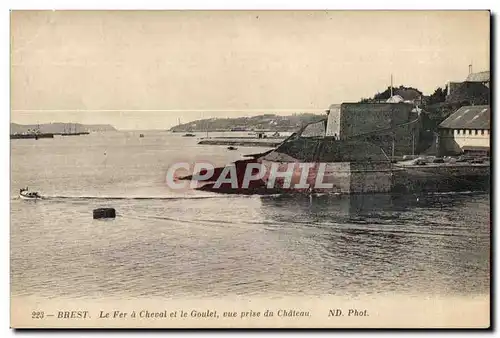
391	85
206	123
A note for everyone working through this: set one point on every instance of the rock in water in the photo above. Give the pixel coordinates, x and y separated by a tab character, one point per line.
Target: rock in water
104	213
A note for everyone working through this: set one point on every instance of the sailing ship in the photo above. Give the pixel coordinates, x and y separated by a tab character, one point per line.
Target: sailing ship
74	132
68	133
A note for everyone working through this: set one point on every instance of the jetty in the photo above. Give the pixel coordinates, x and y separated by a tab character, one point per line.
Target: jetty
243	141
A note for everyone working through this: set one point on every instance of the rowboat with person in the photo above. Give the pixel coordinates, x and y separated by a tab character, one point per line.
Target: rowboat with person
25	194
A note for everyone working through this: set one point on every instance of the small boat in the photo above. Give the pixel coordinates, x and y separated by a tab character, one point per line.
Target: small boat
141	135
232	148
188	135
28	195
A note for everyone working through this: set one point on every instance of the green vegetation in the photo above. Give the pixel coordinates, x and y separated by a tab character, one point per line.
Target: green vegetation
438	96
386	94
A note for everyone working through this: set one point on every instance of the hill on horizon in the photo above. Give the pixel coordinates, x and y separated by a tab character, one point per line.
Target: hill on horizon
270	122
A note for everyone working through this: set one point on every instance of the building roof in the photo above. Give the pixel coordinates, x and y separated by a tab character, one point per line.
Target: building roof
408	94
468	117
395	99
479	77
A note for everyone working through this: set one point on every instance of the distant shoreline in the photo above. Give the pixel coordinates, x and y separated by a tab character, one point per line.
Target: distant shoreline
58	128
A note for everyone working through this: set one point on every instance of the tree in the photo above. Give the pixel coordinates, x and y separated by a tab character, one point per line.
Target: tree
439	95
386	94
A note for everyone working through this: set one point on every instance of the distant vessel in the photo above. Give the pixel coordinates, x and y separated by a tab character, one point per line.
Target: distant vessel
28	195
67	133
31	134
74	133
141	135
188	135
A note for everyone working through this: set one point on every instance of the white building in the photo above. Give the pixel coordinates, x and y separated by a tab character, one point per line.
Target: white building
466	131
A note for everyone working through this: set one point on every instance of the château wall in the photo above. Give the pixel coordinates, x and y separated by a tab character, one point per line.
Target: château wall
378	123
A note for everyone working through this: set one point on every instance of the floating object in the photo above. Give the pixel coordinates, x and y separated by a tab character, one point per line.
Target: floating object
141	135
28	195
188	135
104	213
232	148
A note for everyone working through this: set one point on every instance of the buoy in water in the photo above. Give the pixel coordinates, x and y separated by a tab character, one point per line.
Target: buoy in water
104	213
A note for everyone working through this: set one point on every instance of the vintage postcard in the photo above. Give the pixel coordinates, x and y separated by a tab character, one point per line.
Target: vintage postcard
250	169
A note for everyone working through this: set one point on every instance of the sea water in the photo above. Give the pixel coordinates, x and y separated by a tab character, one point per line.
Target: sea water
177	244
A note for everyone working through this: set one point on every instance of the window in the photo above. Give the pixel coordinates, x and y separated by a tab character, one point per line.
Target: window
476	132
482	131
470	131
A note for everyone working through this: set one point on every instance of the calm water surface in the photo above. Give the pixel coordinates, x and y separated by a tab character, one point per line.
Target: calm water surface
178	244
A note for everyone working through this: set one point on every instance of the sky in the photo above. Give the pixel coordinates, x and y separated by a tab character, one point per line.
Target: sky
148	69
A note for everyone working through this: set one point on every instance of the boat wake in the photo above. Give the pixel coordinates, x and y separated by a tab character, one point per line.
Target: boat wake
218	196
97	197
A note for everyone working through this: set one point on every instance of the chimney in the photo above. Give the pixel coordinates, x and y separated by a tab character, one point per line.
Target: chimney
470	69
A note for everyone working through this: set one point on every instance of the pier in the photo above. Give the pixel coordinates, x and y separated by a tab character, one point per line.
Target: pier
243	142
